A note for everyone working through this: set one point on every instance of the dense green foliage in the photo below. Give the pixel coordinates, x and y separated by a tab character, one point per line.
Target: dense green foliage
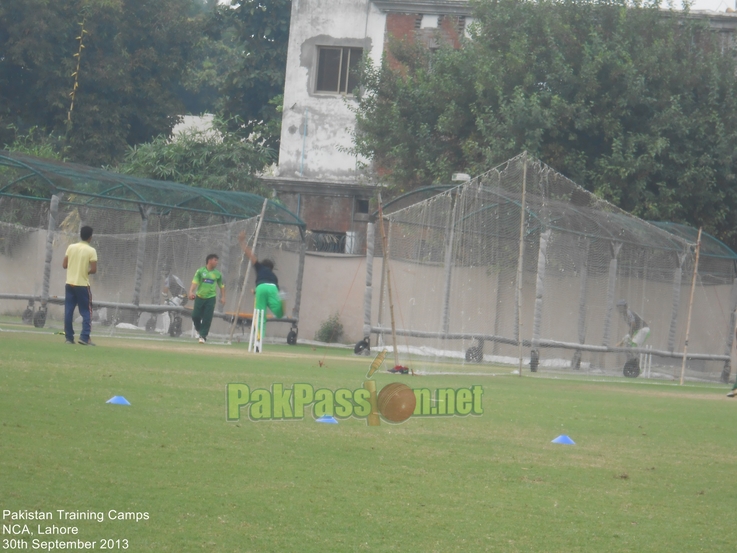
134	54
36	142
331	330
143	65
633	102
251	86
207	159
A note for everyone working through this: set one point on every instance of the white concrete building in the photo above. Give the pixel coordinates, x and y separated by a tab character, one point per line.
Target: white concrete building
327	39
318	177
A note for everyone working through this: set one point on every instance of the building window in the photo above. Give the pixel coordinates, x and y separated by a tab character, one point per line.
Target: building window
430	21
461	25
362	206
337	69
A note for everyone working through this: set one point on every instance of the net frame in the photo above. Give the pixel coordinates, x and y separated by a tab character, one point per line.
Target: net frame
58	198
567	230
33	179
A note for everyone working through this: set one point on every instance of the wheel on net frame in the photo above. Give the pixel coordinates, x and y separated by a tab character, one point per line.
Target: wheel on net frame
151	324
534	360
27	316
363	347
175	328
632	368
39	317
475	354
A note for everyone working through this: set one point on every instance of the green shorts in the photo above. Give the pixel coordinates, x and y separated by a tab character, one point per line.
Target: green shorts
267	295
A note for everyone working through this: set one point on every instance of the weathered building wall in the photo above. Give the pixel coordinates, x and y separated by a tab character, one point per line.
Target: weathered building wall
326	207
316	126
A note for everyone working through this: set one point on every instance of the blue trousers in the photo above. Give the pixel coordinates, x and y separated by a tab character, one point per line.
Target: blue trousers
81	298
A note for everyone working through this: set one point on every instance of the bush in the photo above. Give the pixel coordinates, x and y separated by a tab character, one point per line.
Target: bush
330	330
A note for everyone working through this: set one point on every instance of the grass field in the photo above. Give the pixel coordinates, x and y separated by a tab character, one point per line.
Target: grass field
652	468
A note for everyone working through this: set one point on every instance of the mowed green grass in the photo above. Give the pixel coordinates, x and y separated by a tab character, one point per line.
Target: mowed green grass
653	468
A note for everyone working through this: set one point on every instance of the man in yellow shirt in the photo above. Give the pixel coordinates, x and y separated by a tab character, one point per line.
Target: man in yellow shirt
80	262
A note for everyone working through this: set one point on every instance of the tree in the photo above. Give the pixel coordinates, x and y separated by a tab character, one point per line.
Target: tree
635	103
214	159
37	143
133	55
413	115
30	71
16	211
256	35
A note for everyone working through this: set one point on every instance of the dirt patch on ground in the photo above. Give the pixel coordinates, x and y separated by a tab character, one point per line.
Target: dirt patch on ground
222	350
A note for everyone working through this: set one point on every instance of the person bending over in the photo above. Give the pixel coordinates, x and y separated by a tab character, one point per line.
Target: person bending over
267	284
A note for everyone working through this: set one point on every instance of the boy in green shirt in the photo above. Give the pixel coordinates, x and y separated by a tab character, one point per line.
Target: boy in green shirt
203	291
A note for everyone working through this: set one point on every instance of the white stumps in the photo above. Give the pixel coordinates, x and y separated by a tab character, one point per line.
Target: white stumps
256	338
646	362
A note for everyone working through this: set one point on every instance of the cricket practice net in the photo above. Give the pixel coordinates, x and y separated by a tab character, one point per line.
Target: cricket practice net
150	236
522	251
140	273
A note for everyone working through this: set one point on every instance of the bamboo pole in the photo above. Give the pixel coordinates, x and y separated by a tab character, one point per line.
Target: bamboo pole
388	283
520	258
732	351
449	233
50	235
248	273
78	55
380	316
368	290
690	305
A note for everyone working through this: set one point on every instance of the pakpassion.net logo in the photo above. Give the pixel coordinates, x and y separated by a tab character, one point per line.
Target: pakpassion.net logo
395	402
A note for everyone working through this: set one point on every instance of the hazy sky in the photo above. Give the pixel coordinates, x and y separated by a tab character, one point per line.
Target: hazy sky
715	5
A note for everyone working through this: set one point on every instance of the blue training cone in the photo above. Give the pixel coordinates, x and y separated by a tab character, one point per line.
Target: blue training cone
118	400
327	419
563	439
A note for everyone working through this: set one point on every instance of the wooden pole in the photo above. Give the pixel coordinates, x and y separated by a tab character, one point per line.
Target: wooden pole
388	282
248	272
380	317
690	305
520	258
732	350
